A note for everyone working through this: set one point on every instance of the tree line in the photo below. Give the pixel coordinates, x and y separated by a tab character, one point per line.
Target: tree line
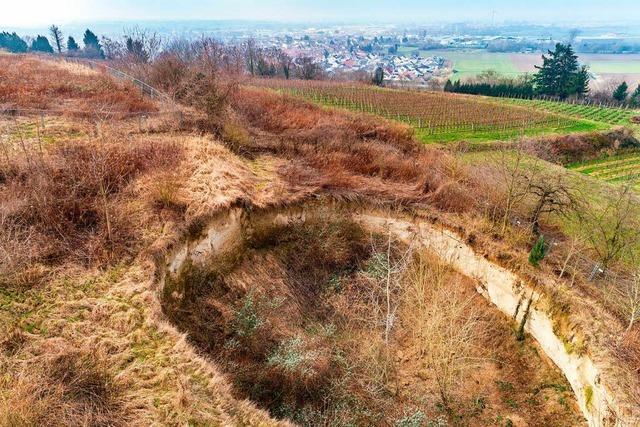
55	43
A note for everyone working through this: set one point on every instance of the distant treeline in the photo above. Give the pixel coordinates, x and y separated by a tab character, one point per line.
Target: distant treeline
92	48
12	43
501	89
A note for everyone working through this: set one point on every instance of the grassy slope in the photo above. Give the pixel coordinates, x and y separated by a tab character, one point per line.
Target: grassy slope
595	191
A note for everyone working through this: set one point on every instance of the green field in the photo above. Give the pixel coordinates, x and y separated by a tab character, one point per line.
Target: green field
469	63
623	169
610	116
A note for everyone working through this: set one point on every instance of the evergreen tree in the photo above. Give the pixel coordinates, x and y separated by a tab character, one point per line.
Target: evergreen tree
621	92
378	76
92	47
635	97
581	82
72	46
41	44
538	252
560	74
13	43
56	35
448	86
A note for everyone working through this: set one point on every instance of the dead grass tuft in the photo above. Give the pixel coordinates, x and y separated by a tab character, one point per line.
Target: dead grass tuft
65	388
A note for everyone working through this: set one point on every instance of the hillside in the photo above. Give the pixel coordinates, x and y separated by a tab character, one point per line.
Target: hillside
246	257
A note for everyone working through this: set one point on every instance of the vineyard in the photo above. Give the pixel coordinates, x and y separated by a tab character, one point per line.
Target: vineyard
436	116
623	169
595	112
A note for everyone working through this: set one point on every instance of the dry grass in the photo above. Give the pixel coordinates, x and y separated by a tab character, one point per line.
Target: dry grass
28	82
348	155
65	203
65	387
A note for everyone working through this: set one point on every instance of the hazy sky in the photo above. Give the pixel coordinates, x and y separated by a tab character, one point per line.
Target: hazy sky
25	13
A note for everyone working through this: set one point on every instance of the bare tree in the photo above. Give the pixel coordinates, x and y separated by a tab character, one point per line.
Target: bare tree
56	35
446	324
630	298
113	49
285	63
308	69
142	45
612	230
251	55
386	270
514	178
552	194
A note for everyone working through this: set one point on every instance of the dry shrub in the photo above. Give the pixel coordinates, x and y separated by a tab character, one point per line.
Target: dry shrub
313	251
65	388
452	196
31	82
167	73
353	155
627	351
575	148
65	203
447	325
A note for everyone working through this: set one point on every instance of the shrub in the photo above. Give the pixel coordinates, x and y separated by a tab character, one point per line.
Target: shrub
575	148
538	252
292	357
247	320
62	204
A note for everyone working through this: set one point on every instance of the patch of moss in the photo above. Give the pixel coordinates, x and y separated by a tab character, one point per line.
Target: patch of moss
588	397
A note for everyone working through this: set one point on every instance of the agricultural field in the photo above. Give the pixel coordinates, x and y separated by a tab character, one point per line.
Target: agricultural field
437	117
623	169
470	63
596	113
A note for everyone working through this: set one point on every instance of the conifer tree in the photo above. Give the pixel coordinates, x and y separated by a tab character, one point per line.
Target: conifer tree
92	47
41	44
621	92
56	35
538	252
72	45
12	42
378	76
448	86
560	74
635	97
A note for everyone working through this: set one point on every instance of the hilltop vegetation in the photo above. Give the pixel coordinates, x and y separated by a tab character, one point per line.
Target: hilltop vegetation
316	320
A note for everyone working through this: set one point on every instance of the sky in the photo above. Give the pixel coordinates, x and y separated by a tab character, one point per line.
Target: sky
33	13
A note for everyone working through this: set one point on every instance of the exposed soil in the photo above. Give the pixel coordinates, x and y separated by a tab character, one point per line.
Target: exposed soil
294	319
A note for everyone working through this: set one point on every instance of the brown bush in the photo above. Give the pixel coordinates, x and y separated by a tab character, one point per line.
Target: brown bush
575	148
64	204
352	155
